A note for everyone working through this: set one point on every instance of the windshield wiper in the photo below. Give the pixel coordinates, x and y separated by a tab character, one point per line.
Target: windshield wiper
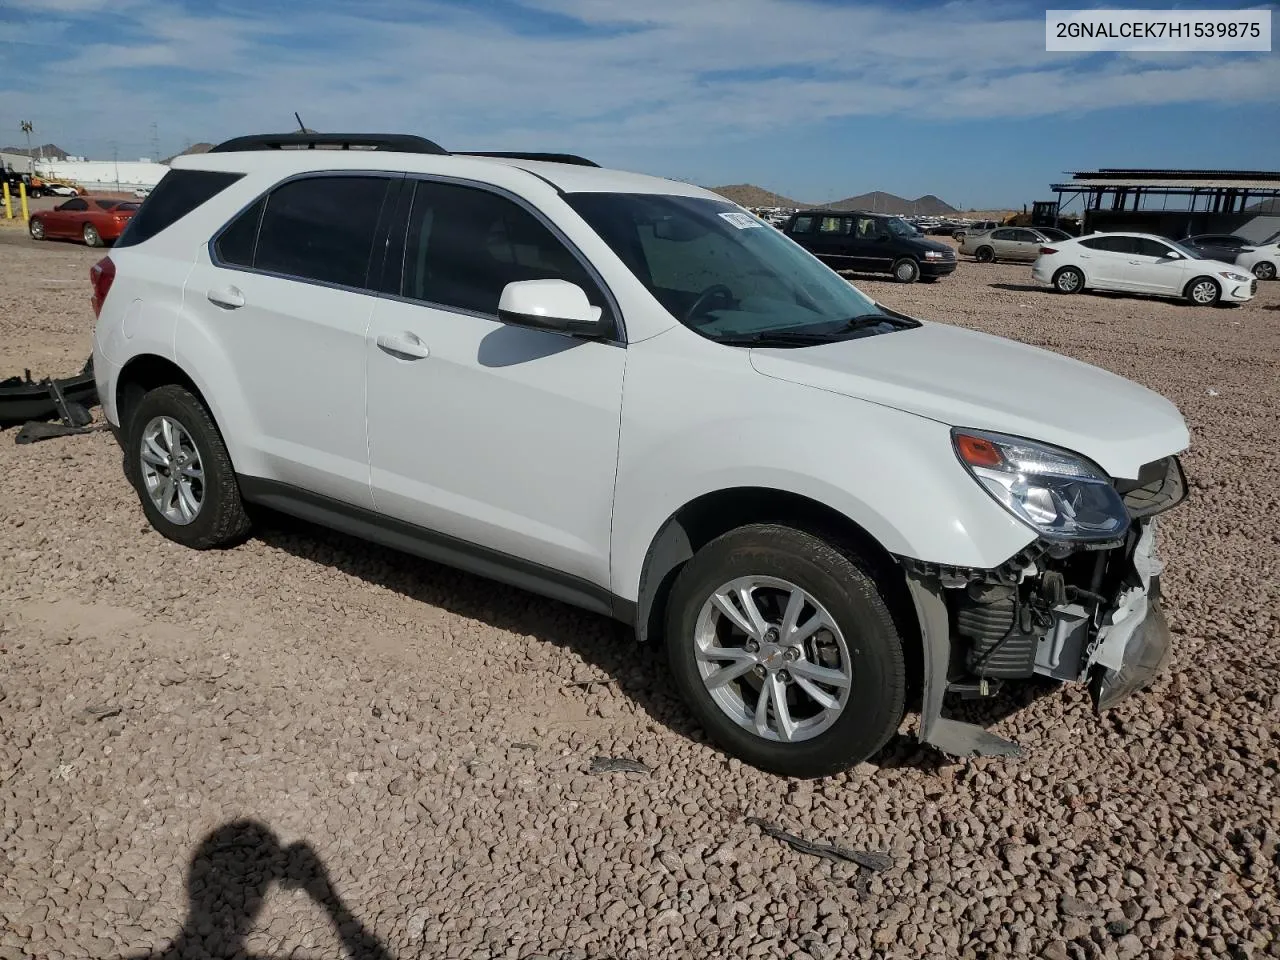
776	338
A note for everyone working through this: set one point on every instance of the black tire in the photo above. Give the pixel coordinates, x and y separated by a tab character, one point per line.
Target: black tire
91	236
876	700
221	519
906	270
1203	292
985	255
1264	270
1068	280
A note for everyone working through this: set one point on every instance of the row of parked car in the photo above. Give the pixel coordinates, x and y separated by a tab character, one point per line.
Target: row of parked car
1204	269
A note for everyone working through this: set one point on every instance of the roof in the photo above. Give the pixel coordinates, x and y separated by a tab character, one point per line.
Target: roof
569	178
1125	177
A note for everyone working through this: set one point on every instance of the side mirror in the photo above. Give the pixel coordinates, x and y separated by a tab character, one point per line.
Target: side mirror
555	305
1173	255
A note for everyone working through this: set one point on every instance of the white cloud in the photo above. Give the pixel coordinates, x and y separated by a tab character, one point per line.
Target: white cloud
653	73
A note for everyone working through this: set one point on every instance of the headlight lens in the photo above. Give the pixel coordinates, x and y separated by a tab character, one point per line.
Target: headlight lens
1237	277
1061	495
933	255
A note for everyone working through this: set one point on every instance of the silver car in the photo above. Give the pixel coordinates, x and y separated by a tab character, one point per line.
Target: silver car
1004	243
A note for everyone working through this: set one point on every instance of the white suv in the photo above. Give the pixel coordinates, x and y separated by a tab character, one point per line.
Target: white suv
631	395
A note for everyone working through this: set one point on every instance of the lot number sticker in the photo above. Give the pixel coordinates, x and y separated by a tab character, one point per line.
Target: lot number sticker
743	221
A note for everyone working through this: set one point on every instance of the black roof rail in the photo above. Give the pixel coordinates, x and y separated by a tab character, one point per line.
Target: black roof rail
387	142
546	157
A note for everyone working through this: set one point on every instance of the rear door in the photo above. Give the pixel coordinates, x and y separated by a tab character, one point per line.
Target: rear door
1003	243
1026	244
284	291
832	242
1105	260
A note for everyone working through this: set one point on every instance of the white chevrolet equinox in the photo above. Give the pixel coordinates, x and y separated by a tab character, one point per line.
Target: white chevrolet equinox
631	395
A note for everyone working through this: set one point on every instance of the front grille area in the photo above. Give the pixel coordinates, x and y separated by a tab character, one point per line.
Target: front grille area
1160	485
1253	287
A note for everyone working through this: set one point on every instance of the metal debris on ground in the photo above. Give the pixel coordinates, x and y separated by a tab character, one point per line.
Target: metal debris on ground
34	431
616	765
875	862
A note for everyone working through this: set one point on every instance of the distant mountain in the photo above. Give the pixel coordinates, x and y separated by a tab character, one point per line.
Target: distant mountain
880	202
50	151
200	147
749	195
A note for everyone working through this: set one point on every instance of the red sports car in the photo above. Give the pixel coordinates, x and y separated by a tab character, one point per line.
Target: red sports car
94	220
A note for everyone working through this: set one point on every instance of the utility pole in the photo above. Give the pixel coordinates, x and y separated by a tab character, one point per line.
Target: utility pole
27	128
115	159
155	143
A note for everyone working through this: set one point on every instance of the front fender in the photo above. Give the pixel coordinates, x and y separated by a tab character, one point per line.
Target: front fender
893	474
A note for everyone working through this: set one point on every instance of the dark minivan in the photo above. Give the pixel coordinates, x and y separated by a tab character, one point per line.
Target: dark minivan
870	243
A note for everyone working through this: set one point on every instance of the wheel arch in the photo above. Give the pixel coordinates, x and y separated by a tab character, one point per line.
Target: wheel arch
706	517
145	372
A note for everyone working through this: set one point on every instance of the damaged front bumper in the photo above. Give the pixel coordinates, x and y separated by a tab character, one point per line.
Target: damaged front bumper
1088	613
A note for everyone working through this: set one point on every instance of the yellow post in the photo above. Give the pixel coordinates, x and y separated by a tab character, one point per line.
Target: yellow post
8	205
22	196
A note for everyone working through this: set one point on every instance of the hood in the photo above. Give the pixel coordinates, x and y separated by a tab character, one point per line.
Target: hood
968	379
928	244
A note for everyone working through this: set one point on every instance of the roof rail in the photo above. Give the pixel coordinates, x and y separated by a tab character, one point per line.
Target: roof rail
388	142
546	157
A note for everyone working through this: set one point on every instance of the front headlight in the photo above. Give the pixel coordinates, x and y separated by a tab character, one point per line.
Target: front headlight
933	255
1061	495
1238	278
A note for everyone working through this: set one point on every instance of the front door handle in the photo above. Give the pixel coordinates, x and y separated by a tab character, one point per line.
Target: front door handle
406	346
228	297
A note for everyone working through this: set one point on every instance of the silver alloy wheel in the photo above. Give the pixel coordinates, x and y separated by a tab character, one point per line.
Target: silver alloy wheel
171	470
772	658
37	230
1264	270
1068	281
1205	291
91	237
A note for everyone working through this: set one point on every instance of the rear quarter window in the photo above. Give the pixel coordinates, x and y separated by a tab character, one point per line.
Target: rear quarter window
176	195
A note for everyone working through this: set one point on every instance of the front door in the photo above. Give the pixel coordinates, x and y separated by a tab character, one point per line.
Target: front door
286	304
1153	268
495	435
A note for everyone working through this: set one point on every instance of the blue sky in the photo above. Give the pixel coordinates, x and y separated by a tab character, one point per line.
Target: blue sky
816	99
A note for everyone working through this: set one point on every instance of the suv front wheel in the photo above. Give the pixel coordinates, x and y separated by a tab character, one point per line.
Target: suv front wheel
785	651
175	458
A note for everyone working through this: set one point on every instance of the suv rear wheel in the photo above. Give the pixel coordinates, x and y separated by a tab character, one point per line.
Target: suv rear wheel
180	467
785	651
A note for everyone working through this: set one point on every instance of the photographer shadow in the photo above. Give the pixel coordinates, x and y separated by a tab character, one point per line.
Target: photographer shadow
230	875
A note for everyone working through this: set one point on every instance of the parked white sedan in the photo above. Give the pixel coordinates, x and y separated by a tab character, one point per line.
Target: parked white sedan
1263	261
1141	263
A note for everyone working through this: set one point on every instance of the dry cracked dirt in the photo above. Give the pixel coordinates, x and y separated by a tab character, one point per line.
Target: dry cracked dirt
311	747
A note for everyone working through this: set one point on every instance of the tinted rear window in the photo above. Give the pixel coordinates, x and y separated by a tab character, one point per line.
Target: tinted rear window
177	194
321	228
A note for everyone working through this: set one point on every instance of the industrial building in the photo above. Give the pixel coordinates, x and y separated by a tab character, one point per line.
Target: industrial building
104	175
1173	203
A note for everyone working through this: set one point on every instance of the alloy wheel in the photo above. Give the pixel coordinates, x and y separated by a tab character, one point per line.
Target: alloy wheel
1205	291
772	658
172	471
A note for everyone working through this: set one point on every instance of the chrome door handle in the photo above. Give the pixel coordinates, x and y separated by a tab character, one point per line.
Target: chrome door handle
407	346
228	297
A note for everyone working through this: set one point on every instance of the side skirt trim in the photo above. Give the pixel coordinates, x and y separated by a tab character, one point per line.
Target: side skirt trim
430	545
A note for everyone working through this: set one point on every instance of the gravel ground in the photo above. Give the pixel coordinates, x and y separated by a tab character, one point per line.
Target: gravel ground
307	745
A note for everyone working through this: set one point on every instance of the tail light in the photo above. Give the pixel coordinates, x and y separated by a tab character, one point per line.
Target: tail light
1045	251
101	275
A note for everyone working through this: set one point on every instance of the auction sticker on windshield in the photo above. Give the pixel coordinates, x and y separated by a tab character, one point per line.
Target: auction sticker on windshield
743	221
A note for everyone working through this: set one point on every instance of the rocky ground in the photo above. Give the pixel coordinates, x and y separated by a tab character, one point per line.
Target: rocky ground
307	745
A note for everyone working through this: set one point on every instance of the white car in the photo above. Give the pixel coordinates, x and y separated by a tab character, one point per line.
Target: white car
629	394
1262	261
142	192
1140	263
61	190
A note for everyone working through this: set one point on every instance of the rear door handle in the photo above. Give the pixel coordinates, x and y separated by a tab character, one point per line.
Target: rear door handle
229	297
406	346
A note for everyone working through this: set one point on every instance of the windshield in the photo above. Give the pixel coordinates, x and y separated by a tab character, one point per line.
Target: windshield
900	228
727	275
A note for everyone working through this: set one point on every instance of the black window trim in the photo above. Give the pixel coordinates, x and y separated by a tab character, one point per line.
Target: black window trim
376	256
616	337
